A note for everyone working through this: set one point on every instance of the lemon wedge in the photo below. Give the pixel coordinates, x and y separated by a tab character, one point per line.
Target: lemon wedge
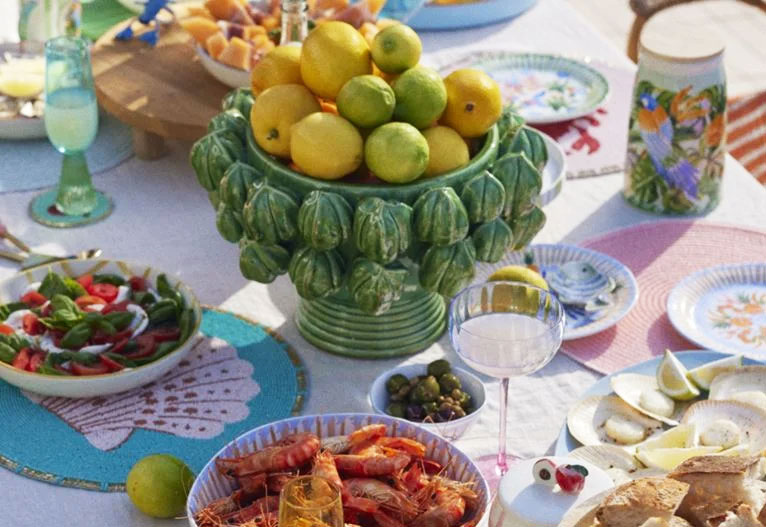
671	377
704	375
739	450
670	458
681	436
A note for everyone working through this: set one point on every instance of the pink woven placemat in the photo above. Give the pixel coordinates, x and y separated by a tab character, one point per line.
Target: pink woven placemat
660	254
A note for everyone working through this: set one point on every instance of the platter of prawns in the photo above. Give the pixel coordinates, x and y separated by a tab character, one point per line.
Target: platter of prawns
390	473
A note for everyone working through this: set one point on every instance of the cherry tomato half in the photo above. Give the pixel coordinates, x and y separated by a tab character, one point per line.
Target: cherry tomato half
35	361
88	300
85	281
32	325
106	291
21	360
137	283
33	299
6	329
146	345
119	345
164	334
102	338
112	364
117	306
97	369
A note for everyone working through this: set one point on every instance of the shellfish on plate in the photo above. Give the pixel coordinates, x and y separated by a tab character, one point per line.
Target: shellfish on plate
607	419
643	393
728	424
746	384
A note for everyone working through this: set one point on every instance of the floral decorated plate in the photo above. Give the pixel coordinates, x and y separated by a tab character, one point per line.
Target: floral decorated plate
723	308
550	259
542	88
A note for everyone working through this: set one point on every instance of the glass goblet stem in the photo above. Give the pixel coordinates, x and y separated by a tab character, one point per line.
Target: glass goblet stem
502	465
76	194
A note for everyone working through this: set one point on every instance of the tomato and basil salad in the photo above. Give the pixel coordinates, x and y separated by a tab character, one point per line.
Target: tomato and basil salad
92	325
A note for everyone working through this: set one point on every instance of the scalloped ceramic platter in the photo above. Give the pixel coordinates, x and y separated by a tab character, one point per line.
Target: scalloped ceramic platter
723	308
549	256
542	88
554	172
690	359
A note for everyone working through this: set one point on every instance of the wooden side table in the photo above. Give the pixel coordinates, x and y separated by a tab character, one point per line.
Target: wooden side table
161	92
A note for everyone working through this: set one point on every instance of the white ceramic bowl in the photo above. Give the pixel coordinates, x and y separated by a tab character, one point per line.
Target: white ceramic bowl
93	385
211	485
451	429
234	77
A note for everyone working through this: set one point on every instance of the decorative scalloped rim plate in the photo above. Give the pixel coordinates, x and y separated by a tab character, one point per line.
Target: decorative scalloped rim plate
554	254
689	358
464	15
554	172
723	308
590	86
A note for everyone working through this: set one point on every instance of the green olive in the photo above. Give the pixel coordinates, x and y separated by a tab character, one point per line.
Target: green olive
396	409
439	367
459	412
425	391
430	408
464	400
449	382
395	382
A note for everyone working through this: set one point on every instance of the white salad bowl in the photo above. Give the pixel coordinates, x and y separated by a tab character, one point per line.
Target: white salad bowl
450	430
13	288
211	485
233	77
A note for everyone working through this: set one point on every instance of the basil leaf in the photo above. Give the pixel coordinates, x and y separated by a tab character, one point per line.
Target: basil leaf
15	341
7	353
74	289
7	309
65	314
114	279
54	284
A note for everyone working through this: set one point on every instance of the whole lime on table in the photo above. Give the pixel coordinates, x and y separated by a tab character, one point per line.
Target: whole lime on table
367	101
396	48
158	485
396	152
446	150
420	96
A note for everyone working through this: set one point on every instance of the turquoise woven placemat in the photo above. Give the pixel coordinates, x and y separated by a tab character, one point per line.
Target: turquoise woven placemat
34	163
239	375
100	15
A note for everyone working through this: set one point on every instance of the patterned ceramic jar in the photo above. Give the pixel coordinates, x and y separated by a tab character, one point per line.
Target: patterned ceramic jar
676	141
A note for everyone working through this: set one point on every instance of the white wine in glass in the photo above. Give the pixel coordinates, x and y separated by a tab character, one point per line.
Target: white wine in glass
310	501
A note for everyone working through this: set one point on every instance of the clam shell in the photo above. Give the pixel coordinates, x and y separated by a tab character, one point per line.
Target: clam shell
629	386
586	419
751	420
579	283
738	380
607	457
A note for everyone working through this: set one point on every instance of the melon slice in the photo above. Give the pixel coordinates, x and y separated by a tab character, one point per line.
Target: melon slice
230	10
200	28
253	31
237	54
215	44
198	10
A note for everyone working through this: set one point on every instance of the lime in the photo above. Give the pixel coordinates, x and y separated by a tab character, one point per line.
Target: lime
282	65
671	377
275	111
332	54
474	103
669	458
326	146
159	484
704	375
396	48
367	101
448	151
396	152
420	96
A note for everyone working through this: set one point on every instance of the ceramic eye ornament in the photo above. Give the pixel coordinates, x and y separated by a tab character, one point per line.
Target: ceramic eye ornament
570	478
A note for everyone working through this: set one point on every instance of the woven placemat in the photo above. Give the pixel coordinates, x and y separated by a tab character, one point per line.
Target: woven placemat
239	375
660	254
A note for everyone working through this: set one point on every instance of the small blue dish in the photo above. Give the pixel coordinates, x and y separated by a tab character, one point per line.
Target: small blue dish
436	17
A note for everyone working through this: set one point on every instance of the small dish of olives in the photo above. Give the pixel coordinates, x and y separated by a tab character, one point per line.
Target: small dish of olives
437	396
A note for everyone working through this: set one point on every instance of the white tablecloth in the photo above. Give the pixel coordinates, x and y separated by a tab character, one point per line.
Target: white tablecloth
162	216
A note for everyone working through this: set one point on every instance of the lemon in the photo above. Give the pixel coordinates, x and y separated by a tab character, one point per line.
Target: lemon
681	436
159	484
281	66
396	48
367	101
333	53
474	103
420	96
669	458
739	450
519	273
704	375
671	377
396	152
275	111
447	150
326	146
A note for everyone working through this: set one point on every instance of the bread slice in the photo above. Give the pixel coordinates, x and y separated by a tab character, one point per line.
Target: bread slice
635	502
742	516
717	485
656	522
677	521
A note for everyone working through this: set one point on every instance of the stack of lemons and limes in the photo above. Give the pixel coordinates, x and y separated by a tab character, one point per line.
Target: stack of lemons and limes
341	101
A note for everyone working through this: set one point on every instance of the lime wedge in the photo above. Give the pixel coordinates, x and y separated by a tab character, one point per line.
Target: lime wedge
704	375
680	436
671	376
670	458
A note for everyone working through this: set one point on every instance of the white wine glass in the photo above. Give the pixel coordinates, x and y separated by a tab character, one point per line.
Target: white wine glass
505	329
310	501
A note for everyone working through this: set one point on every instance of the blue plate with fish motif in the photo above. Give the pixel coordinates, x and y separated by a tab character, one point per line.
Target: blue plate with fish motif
613	304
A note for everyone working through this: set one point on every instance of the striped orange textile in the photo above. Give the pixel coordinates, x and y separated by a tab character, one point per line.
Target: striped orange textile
746	133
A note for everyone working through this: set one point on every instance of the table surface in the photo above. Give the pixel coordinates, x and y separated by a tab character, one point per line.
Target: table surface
162	216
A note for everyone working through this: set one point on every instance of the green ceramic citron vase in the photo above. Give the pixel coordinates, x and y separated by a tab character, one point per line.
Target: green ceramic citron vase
372	264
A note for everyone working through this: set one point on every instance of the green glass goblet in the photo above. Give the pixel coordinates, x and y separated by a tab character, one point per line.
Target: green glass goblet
71	121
